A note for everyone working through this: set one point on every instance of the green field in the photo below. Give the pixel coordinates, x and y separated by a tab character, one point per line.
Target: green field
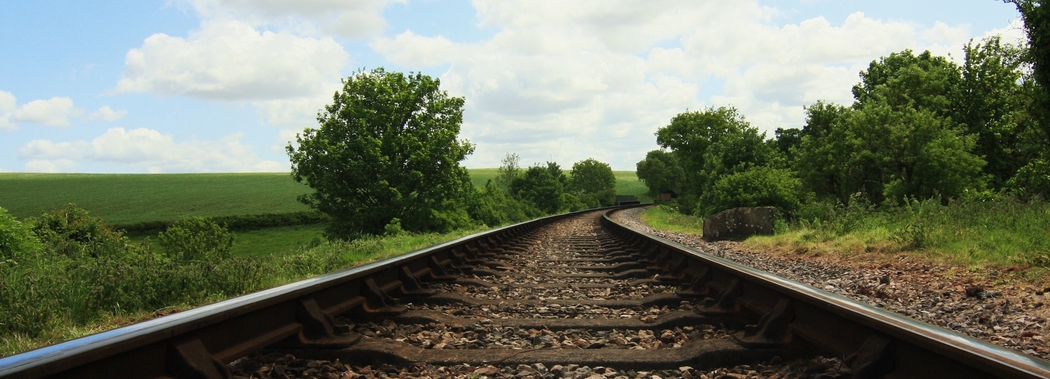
480	176
627	183
133	198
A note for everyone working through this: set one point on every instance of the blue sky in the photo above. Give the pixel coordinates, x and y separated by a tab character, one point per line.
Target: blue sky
223	85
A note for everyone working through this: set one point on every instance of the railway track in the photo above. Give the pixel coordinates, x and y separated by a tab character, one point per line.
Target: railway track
575	295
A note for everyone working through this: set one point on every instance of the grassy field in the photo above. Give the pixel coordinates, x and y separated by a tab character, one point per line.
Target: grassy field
627	183
131	198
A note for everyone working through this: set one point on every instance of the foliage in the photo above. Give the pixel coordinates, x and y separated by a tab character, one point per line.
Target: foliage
904	80
754	187
889	145
711	143
661	172
541	187
236	222
991	106
1000	229
1032	180
196	239
1037	25
509	169
386	147
51	296
593	179
73	233
17	240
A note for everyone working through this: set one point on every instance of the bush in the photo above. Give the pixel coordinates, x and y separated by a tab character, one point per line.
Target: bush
754	187
16	238
75	233
196	238
1032	180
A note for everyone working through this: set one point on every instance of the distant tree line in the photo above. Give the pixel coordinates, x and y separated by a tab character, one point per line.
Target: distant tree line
920	127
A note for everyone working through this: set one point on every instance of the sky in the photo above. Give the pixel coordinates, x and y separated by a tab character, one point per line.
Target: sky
155	86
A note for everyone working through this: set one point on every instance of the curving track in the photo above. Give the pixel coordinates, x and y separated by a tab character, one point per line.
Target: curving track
575	295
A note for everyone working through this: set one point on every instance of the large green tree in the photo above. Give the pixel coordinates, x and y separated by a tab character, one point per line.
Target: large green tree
593	181
711	143
660	171
387	147
992	106
541	187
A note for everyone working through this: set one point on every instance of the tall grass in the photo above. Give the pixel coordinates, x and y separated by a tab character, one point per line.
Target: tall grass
990	230
1001	230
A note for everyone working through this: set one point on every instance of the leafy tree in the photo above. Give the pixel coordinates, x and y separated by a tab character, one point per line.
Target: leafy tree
1032	180
910	153
593	179
495	206
510	168
712	143
196	239
905	80
1037	24
992	105
660	171
541	187
819	157
387	147
787	140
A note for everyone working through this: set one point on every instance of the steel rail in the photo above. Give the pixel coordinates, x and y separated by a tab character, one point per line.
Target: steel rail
878	343
199	342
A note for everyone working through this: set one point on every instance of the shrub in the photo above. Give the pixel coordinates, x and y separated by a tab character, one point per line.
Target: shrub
196	238
754	187
16	238
75	233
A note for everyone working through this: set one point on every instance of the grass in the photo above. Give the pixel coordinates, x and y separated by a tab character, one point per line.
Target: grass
132	198
135	198
57	322
1001	232
627	183
480	176
262	242
663	218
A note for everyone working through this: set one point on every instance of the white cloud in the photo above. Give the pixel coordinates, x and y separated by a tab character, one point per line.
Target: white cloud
348	19
611	73
1013	34
55	111
148	150
50	166
231	60
107	114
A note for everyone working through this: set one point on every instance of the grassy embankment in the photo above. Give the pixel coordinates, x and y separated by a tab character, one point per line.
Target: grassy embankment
975	232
